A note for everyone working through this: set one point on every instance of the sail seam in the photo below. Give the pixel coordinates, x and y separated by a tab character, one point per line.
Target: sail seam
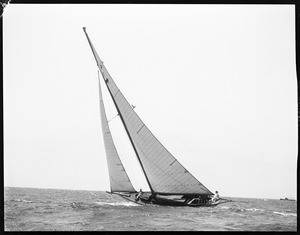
140	128
116	93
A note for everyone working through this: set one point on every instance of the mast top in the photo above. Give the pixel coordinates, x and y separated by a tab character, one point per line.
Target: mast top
97	58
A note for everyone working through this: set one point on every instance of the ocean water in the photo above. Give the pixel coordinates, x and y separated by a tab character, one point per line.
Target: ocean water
29	209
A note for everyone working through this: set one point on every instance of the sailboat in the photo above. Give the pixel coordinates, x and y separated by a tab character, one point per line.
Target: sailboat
170	183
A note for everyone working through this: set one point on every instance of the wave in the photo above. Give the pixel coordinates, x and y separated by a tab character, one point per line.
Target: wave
117	203
20	200
255	209
285	214
83	206
241	209
234	209
79	205
27	201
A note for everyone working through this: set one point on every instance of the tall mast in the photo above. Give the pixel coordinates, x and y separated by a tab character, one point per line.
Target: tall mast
100	65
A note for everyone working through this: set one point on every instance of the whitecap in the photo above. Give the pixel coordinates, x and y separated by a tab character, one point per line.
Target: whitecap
117	203
16	200
254	209
284	214
27	201
20	200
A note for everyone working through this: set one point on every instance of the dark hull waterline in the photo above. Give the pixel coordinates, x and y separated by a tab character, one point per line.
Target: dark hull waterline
146	200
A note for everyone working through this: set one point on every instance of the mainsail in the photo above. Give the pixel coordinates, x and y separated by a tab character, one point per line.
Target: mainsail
119	180
164	174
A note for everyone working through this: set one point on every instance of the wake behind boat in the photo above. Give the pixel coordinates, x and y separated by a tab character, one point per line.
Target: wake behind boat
170	183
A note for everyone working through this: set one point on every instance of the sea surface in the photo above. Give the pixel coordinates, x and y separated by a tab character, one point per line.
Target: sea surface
32	209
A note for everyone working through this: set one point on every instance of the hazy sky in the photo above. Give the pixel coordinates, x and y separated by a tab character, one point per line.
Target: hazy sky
216	84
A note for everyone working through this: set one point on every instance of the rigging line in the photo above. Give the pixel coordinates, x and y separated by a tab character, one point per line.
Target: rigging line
113	118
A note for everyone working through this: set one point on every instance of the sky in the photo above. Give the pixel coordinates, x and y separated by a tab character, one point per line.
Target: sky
216	84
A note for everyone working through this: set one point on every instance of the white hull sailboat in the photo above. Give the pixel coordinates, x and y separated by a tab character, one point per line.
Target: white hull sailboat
170	183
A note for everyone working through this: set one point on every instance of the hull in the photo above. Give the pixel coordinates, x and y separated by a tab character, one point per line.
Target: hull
147	199
286	199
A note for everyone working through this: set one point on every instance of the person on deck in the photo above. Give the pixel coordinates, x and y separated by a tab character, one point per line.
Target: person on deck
137	197
216	197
